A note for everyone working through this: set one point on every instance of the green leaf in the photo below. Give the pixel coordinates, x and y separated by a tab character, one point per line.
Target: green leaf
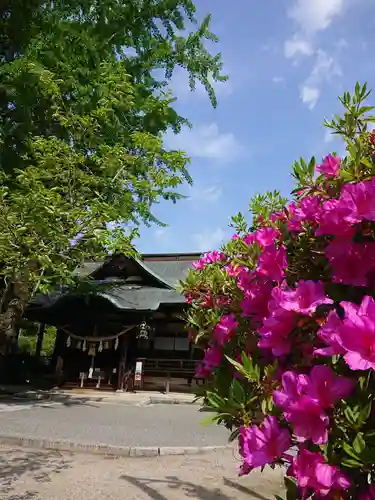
237	392
350	451
359	443
215	401
234	435
209	420
291	488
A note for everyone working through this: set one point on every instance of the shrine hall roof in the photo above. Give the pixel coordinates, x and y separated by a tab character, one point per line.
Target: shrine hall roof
160	274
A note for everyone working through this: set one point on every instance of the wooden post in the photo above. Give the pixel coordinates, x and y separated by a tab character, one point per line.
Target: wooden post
167	384
59	345
122	363
39	343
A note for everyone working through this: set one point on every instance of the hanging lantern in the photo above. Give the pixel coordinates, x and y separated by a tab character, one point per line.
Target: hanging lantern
84	346
116	343
68	342
100	348
79	344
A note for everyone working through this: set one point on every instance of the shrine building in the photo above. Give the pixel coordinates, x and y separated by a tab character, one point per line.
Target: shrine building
130	333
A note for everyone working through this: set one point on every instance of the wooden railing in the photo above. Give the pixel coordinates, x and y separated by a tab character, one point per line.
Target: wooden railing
170	368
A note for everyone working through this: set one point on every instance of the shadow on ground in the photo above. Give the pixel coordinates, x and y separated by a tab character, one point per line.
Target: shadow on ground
40	399
19	465
190	490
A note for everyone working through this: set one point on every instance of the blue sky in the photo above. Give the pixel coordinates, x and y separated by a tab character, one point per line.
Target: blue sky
287	62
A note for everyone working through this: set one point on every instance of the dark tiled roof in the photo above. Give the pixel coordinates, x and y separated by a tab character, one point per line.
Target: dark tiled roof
171	271
124	296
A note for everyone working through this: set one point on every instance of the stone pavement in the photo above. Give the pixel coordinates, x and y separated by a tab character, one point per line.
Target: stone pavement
35	475
140	398
110	424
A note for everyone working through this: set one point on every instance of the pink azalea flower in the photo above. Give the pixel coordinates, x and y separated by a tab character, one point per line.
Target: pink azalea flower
256	297
331	220
359	199
294	224
263	445
225	329
266	236
357	334
369	494
305	298
330	166
308	419
329	334
275	331
312	472
325	387
212	358
292	385
273	263
351	262
279	216
245	278
308	210
209	258
234	270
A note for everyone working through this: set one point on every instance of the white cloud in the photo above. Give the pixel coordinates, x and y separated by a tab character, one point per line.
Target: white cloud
278	80
315	15
309	95
209	194
297	47
205	141
209	240
324	69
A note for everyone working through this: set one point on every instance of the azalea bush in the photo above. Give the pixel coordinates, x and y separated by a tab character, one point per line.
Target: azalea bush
285	313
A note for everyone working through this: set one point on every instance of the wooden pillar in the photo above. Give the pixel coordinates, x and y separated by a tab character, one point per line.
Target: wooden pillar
59	341
122	363
39	342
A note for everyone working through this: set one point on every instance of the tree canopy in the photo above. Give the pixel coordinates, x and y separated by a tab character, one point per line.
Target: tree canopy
84	103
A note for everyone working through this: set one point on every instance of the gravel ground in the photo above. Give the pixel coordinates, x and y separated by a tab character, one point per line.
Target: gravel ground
37	475
110	424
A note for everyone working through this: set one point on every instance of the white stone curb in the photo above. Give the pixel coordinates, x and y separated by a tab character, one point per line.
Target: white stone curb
104	449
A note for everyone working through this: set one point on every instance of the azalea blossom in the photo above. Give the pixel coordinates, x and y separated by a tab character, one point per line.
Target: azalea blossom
263	445
359	200
330	166
329	333
309	209
305	298
225	329
357	334
273	263
275	331
292	389
209	258
325	387
308	419
351	262
331	220
213	356
312	472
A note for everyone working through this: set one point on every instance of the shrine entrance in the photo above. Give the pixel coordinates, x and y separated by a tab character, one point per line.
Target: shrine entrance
93	361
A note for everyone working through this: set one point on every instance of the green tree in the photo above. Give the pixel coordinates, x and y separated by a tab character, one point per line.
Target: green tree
84	102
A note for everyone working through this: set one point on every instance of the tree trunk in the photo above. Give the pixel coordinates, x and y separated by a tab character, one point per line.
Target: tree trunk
13	309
